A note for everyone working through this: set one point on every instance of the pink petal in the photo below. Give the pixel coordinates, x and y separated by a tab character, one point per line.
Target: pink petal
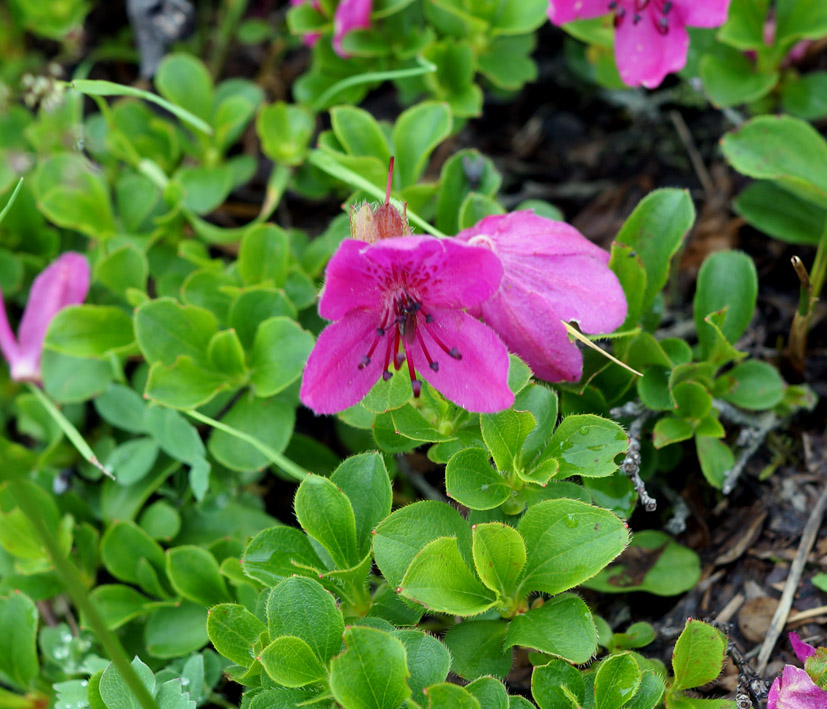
332	380
63	283
442	272
796	691
772	697
477	382
531	329
8	342
644	55
703	13
556	262
350	15
562	11
801	649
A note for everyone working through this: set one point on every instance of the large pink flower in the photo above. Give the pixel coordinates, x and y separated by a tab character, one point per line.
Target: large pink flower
65	282
408	292
650	39
795	689
350	15
552	273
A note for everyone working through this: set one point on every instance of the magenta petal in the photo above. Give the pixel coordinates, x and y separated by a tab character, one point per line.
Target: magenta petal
562	11
645	56
351	281
332	380
796	690
531	329
350	15
484	359
8	342
772	697
63	283
801	649
703	13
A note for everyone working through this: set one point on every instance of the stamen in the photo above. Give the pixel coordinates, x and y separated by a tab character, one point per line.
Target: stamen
380	331
640	5
621	13
431	363
662	26
365	361
390	182
613	5
416	385
635	19
455	353
667	6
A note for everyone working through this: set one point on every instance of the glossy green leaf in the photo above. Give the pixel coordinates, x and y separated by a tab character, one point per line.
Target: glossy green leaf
699	655
477	648
326	514
263	256
428	659
290	662
234	631
90	331
616	681
471	480
274	554
19	665
587	445
558	685
780	213
499	556
280	352
757	385
193	572
417	131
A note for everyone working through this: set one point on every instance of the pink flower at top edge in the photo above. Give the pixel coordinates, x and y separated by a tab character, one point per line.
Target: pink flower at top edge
552	273
310	38
63	283
650	38
350	15
408	292
803	651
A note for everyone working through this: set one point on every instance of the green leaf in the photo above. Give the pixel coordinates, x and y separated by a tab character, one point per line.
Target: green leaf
649	693
300	607
655	230
499	556
784	149
18	653
184	384
744	28
587	445
116	693
285	130
727	279
428	659
280	352
131	461
781	214
193	572
558	685
693	400
326	514
400	537
167	330
465	171
805	96
161	520
371	672
359	133
203	189
234	631
716	459
587	537
123	268
450	696
364	479
616	681
628	267
758	386
118	604
699	655
226	355
274	555
264	255
562	626
439	578
173	631
730	78
507	61
504	434
472	481
184	80
799	19
671	429
290	661
417	131
174	434
477	648
123	546
489	692
657	564
90	331
171	695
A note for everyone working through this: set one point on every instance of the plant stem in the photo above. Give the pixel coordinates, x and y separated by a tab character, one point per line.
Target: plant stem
79	594
288	466
819	269
69	430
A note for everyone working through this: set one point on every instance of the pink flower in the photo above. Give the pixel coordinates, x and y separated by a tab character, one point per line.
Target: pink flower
795	690
407	292
350	15
651	39
65	282
552	273
803	651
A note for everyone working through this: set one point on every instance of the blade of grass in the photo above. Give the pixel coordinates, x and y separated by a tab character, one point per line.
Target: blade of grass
577	335
11	200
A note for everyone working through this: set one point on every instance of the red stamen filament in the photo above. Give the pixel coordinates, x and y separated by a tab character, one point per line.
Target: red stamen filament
390	182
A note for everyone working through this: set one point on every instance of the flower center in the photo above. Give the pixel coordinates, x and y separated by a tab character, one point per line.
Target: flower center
403	322
658	12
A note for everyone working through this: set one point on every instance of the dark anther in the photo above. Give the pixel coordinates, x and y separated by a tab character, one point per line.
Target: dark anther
667	6
663	26
635	19
613	5
434	366
621	13
380	331
386	375
429	318
365	361
415	307
455	353
416	385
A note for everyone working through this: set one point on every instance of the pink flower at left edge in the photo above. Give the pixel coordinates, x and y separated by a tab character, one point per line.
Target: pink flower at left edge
404	299
552	273
63	283
795	689
650	36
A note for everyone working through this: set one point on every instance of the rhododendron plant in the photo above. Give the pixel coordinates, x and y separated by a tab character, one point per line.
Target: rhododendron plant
552	273
795	688
650	38
65	282
349	15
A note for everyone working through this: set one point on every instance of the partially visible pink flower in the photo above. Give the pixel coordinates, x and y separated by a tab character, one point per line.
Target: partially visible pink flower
803	651
795	690
408	292
350	15
63	283
552	273
651	39
310	38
